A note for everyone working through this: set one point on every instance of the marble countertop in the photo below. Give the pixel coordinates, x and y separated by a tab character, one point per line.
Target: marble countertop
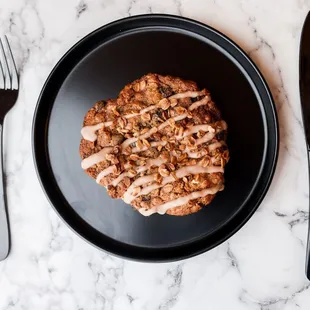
259	268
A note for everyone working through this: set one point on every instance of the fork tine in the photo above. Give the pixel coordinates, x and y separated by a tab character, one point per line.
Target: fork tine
14	73
2	76
7	77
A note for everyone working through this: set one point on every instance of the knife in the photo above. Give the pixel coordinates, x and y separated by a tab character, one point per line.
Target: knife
304	87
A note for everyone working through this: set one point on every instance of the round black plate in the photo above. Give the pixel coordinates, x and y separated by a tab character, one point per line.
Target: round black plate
98	67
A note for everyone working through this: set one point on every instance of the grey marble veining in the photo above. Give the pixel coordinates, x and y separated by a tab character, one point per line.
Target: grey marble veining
260	268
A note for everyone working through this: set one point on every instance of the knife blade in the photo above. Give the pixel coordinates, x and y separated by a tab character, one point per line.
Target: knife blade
304	88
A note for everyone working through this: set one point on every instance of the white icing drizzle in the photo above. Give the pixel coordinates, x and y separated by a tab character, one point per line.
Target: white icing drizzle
147	212
140	181
215	145
128	197
199	103
131	115
89	132
153	144
162	209
129	141
167	122
106	124
105	172
199	154
210	135
206	138
188	94
143	111
180	173
120	178
150	108
194	129
96	158
195	154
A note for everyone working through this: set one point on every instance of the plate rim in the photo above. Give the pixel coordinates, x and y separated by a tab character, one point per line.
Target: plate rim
198	248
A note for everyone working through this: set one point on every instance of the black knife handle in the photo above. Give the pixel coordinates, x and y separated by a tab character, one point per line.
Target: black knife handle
308	239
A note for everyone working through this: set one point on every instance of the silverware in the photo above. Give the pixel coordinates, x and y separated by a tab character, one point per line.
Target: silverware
304	86
8	96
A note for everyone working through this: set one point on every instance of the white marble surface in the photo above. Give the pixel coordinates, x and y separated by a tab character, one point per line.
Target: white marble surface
261	267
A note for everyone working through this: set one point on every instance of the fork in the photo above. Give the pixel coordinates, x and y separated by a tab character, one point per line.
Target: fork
8	97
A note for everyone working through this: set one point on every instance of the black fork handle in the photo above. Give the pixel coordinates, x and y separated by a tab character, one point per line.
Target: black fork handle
4	221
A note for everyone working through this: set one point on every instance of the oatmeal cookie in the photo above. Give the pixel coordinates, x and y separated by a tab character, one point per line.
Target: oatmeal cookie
160	146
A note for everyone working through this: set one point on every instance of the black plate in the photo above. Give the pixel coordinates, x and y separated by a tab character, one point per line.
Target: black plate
98	67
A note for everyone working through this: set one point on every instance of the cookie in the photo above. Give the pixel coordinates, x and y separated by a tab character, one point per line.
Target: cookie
160	146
